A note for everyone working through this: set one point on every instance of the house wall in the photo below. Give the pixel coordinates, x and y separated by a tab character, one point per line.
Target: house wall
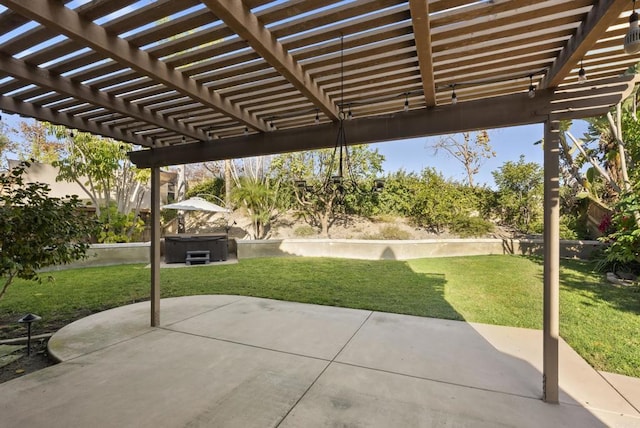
46	173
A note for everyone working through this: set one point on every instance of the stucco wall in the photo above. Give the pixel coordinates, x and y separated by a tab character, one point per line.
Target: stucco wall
139	252
112	254
405	250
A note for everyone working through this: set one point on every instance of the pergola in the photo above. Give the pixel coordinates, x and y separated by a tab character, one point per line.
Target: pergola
200	80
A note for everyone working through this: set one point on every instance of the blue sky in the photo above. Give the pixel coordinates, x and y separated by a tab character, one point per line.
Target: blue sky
508	143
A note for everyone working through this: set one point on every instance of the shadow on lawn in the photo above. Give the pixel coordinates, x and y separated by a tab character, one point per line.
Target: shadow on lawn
579	276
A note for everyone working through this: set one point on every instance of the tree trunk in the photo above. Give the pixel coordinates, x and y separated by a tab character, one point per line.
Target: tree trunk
227	184
324	226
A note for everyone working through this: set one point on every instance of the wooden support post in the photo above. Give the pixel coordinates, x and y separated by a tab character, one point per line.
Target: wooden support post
551	325
155	247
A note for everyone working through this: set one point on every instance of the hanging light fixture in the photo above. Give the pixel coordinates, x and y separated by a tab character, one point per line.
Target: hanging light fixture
340	178
317	119
532	89
246	131
406	102
454	97
632	39
582	74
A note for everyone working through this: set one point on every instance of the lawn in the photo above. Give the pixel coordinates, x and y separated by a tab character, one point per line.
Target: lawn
600	322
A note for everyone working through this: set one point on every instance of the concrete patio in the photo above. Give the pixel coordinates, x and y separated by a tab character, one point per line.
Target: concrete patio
231	361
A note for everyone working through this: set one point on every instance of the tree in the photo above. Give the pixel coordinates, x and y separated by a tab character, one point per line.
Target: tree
328	201
6	145
107	176
624	232
37	145
36	230
520	193
257	191
470	154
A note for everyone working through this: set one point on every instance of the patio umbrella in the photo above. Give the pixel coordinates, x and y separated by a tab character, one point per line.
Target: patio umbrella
196	204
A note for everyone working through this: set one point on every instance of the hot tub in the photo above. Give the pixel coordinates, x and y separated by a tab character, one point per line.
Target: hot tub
176	246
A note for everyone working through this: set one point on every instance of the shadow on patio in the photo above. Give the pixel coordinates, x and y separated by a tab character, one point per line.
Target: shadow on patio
243	361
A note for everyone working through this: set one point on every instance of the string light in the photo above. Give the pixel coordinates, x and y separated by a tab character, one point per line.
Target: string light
582	74
346	113
632	39
532	89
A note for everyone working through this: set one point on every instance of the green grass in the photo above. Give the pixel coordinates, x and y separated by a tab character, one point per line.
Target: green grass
600	322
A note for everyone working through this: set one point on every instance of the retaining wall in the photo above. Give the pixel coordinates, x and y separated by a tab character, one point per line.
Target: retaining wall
112	254
405	250
139	252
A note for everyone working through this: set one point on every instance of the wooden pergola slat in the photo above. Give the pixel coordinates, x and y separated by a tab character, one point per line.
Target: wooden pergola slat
68	22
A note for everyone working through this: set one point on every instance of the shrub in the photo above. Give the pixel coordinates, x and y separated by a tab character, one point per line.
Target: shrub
467	227
118	227
213	186
304	231
383	218
624	241
36	230
573	227
391	232
388	233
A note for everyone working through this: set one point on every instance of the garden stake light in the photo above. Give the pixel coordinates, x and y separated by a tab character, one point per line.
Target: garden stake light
28	319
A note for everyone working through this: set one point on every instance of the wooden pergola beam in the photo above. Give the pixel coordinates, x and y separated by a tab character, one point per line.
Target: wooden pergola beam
603	14
44	78
422	32
55	15
244	23
498	112
10	105
486	113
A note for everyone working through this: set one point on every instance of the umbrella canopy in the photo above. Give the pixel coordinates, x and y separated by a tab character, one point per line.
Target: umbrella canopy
197	204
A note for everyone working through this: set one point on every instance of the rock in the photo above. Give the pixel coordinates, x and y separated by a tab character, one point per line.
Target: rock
615	279
627	275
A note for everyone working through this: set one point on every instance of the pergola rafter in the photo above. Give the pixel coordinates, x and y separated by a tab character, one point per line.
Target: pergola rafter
599	18
56	16
48	115
64	86
422	32
237	16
